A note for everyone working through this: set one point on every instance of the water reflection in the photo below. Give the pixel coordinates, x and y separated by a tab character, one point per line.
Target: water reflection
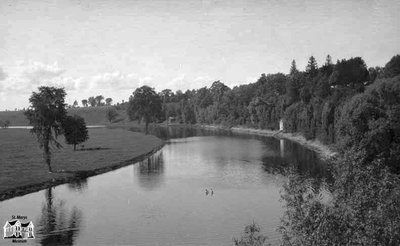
150	172
171	132
79	185
293	155
57	226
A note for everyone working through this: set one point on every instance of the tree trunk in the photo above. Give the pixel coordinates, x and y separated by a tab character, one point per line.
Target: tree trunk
47	155
46	147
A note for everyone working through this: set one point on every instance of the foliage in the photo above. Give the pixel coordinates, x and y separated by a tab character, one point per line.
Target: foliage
352	73
364	209
75	130
392	68
293	68
84	103
111	114
371	121
144	103
312	67
108	101
46	114
251	237
4	124
99	100
92	101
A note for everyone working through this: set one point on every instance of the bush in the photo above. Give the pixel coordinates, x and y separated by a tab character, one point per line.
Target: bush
4	124
111	114
251	237
75	130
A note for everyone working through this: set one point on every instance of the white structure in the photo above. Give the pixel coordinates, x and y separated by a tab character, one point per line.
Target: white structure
16	229
281	125
12	229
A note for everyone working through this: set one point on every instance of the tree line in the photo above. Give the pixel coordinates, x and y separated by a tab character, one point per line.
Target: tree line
94	101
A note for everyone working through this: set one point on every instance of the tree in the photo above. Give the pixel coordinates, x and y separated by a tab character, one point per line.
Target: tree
99	100
4	124
75	130
92	101
251	237
108	101
312	67
144	103
75	104
392	68
84	103
352	73
328	61
111	114
293	68
46	114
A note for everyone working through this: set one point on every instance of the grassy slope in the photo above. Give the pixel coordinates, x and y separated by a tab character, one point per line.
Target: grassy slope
21	159
92	116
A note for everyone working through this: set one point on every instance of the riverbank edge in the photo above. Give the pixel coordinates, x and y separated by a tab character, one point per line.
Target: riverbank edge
324	151
75	176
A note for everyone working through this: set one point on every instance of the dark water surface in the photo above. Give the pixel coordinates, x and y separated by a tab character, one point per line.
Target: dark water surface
162	201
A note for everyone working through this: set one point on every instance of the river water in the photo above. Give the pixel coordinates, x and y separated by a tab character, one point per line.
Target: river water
163	200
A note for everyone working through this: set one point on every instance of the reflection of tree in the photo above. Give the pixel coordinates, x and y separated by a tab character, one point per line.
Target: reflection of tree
150	172
78	185
305	161
55	227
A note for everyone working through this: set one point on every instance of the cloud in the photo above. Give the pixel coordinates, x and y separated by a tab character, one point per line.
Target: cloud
113	80
183	82
37	72
3	75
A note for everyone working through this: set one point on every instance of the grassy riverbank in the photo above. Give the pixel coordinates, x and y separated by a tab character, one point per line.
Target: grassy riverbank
22	169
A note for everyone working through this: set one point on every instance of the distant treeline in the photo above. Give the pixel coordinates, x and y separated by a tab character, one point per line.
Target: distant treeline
310	101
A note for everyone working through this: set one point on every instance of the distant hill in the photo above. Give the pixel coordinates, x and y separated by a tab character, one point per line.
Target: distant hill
92	116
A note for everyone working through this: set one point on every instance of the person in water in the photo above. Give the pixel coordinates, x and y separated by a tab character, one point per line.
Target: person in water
212	192
206	192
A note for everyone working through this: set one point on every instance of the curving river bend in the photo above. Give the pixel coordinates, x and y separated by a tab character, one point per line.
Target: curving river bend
162	200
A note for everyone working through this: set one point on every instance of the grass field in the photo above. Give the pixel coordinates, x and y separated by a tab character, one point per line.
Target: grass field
92	116
22	165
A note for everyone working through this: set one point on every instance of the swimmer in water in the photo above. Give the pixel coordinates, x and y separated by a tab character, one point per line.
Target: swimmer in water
206	192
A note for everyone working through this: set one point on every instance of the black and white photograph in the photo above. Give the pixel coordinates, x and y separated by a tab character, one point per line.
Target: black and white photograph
200	122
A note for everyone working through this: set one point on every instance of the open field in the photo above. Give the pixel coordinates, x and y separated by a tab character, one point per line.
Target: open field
22	168
92	116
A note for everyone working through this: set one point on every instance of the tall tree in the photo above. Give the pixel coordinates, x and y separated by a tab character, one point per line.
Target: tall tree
99	100
108	101
46	114
351	73
75	130
75	104
328	61
84	103
312	67
293	68
392	68
146	104
92	101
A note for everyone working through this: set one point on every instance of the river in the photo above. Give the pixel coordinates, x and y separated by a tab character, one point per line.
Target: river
163	200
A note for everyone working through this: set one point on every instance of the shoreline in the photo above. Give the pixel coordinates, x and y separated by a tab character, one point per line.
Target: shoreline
323	150
75	175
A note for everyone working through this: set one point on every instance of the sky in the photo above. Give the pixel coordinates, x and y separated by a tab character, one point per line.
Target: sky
111	47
